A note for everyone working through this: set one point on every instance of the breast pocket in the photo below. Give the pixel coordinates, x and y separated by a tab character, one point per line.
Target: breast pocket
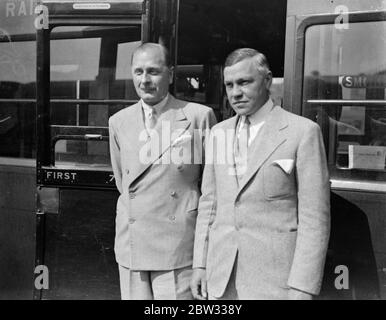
278	183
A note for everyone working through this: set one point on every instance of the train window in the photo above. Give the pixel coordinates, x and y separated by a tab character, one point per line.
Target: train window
90	68
208	30
93	154
190	84
345	92
17	97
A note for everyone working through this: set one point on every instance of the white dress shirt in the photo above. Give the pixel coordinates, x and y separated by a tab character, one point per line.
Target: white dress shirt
256	120
153	111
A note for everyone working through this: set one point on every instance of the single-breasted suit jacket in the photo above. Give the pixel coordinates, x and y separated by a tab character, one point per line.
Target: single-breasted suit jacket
276	219
158	179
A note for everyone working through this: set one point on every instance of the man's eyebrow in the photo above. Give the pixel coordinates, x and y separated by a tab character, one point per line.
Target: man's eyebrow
241	79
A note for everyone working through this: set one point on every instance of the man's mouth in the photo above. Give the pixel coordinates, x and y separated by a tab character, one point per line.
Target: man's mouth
239	103
148	90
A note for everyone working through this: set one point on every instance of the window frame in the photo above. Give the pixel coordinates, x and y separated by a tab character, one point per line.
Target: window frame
295	97
86	176
20	160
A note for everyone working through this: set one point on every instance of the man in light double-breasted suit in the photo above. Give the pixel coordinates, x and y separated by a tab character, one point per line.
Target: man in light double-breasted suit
264	214
156	154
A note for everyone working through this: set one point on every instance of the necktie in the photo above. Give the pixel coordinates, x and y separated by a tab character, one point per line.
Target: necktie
241	147
150	119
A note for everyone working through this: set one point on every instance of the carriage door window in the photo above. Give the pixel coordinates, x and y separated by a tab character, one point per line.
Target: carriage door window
90	81
17	96
345	92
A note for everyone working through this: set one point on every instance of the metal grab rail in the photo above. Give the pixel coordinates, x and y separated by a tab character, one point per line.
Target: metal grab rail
123	101
347	102
76	101
355	185
80	133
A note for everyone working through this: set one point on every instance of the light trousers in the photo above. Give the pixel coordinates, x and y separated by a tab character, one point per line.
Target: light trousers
155	285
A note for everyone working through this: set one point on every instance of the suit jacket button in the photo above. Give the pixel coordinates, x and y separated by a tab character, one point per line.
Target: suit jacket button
131	195
173	194
172	218
131	220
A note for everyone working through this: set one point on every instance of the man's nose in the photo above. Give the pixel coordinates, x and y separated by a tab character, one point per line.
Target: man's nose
145	77
236	91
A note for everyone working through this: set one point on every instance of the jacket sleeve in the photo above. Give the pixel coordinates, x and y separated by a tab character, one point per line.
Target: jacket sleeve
115	155
206	208
207	122
313	213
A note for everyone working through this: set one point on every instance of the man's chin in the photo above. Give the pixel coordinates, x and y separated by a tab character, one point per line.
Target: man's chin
150	100
241	112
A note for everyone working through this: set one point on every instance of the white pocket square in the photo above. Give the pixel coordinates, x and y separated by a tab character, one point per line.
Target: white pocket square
181	139
286	164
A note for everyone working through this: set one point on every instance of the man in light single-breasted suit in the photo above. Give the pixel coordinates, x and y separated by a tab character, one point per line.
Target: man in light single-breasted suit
156	154
264	215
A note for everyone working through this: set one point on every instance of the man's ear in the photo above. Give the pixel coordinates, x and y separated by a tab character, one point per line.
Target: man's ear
171	74
268	80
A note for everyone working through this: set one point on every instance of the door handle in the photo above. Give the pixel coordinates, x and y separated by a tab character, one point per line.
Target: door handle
93	136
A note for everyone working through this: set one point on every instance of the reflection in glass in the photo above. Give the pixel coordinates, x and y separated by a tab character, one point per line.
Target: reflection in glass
343	65
17	94
90	66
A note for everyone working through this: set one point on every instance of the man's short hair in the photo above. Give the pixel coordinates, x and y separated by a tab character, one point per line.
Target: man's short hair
148	45
238	55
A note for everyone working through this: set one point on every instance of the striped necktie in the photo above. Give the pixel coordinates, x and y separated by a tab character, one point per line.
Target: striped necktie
241	147
151	119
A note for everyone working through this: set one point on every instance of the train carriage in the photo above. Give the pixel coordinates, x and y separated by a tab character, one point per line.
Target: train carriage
65	69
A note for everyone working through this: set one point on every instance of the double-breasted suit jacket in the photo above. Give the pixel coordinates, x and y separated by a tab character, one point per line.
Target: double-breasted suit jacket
158	179
276	220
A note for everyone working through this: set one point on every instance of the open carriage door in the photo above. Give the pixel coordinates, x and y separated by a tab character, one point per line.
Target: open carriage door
83	77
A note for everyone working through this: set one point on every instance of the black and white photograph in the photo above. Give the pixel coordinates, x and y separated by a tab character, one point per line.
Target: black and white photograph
193	150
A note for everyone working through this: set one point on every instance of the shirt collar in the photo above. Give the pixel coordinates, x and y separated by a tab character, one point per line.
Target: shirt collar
157	107
261	114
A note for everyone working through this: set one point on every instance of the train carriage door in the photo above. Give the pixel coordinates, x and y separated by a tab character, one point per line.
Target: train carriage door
83	77
336	76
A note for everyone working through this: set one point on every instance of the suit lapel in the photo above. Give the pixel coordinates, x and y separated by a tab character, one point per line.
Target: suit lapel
136	136
172	120
271	136
173	123
230	131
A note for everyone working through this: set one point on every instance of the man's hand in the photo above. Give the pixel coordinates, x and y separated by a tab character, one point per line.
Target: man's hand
294	294
198	284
